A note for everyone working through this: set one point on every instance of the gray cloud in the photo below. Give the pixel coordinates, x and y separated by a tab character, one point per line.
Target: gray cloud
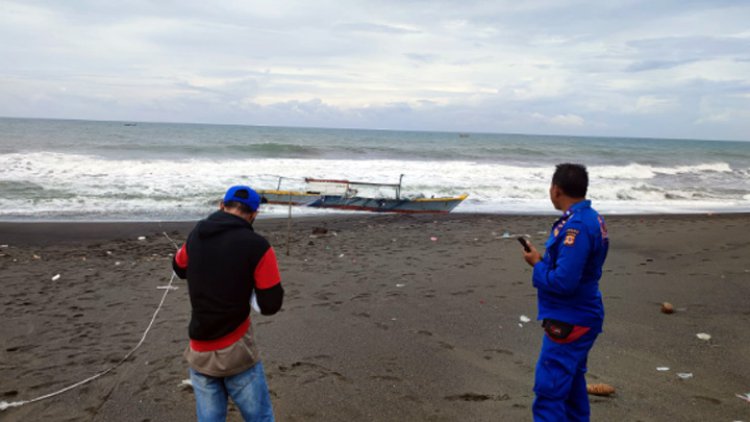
374	28
657	64
672	68
424	58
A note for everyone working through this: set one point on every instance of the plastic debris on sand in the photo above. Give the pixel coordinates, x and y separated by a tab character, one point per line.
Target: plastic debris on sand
141	237
56	277
704	336
662	368
745	397
685	375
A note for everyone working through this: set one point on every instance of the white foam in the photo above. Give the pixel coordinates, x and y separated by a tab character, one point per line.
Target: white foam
643	171
75	186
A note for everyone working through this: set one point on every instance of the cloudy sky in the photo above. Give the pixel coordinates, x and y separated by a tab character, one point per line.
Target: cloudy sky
654	68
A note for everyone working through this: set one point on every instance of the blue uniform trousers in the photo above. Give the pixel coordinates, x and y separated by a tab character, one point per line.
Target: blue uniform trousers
559	381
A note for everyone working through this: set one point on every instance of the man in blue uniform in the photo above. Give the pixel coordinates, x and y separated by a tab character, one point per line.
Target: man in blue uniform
569	301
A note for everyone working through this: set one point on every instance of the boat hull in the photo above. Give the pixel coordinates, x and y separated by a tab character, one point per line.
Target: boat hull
407	206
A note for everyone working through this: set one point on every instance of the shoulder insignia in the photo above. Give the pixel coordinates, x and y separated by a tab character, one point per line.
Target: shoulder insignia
570	237
603	228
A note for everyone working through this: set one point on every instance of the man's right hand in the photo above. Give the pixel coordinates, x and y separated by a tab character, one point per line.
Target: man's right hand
533	256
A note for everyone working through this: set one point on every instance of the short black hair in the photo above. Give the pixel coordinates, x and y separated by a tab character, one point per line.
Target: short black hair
239	206
573	179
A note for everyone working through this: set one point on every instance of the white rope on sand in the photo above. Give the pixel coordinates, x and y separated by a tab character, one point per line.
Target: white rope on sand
5	405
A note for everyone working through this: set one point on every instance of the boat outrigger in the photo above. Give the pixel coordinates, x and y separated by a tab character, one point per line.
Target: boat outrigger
342	194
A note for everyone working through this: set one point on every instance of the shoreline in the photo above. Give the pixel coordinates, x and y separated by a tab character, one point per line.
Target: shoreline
380	322
29	232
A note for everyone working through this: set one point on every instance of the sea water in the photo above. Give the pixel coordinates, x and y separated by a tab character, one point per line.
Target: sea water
86	170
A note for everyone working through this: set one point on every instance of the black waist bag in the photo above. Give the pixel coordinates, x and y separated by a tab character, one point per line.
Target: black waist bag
557	329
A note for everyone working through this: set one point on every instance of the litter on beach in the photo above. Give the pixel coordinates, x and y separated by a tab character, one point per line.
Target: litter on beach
56	277
5	405
141	237
600	389
319	230
704	336
667	308
400	285
685	375
434	239
662	368
745	397
524	319
167	287
254	303
185	384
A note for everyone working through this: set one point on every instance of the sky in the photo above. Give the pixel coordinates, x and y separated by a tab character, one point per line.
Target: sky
675	69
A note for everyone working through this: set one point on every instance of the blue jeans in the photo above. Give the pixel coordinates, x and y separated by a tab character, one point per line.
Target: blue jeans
248	391
560	383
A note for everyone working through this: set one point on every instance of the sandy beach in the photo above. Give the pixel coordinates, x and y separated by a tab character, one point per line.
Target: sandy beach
385	318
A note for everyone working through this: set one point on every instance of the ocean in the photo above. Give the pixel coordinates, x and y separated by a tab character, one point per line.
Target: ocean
60	170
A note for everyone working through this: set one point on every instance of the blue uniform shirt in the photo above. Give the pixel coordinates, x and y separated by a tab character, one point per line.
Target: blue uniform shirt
567	278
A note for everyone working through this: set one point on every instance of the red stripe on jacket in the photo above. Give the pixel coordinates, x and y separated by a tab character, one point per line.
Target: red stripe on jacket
222	342
267	272
182	257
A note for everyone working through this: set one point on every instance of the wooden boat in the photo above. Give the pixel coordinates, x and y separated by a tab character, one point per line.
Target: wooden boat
342	194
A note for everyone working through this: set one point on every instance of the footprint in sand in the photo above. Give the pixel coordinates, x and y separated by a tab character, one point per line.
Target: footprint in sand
309	369
386	378
477	397
499	351
708	399
446	345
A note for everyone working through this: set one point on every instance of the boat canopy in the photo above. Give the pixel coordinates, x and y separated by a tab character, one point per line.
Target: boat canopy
346	187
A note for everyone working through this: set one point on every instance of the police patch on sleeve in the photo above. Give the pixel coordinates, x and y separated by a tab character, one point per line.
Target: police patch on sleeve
570	237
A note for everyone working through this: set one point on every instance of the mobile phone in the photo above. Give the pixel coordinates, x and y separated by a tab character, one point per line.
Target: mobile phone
524	243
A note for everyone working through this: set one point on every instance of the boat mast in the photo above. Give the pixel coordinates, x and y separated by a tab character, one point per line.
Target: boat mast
398	189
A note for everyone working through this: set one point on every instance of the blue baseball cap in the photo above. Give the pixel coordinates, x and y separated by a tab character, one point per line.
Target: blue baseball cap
244	195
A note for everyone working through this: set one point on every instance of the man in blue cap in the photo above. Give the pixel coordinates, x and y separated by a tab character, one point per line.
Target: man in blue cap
569	300
226	263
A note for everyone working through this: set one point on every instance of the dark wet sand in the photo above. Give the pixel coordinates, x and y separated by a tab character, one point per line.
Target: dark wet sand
380	322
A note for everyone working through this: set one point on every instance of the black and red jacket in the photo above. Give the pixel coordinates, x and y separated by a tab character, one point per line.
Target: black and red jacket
224	260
